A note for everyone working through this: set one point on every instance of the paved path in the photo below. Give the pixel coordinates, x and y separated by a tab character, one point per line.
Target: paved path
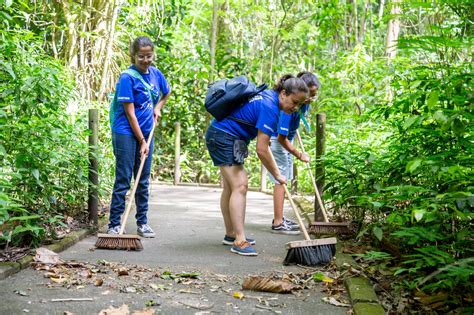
189	232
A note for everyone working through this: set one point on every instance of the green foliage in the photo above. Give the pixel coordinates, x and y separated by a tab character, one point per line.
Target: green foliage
404	170
399	135
43	168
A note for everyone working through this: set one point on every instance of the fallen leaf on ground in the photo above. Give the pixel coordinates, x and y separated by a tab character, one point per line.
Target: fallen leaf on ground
266	284
98	282
150	303
19	292
58	279
238	295
334	302
193	275
46	256
146	311
322	278
122	310
130	290
197	305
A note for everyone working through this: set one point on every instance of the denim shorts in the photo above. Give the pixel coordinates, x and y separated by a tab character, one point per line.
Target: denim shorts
225	149
283	159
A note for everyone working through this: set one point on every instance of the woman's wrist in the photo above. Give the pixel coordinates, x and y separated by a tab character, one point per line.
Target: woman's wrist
141	140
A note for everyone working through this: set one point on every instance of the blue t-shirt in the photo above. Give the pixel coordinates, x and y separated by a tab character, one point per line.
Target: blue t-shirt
261	112
289	123
131	90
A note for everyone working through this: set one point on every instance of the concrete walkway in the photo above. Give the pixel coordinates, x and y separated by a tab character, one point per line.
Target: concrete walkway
189	230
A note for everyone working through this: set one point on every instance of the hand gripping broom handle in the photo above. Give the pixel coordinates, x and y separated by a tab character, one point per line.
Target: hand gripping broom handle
135	185
321	205
295	209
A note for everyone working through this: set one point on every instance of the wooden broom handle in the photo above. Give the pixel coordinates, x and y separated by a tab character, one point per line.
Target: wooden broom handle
135	185
295	209
316	190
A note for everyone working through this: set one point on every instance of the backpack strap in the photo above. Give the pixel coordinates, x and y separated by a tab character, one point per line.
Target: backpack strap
243	122
305	122
137	75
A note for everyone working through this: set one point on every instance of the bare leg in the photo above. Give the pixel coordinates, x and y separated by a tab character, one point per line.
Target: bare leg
225	199
237	179
278	202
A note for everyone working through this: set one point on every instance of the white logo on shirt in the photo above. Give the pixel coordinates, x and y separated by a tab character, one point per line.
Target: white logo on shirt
255	98
269	128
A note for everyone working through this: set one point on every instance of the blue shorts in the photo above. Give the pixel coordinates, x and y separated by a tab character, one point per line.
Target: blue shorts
283	159
225	149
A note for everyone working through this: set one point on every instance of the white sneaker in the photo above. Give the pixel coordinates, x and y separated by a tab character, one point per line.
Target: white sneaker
115	230
145	230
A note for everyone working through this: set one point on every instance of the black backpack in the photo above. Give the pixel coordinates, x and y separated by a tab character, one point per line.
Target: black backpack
225	95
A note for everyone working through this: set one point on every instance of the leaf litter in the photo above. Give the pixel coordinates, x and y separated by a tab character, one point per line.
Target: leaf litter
190	288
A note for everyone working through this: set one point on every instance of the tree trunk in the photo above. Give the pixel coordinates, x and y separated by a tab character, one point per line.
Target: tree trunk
355	21
363	23
393	30
108	51
382	3
214	28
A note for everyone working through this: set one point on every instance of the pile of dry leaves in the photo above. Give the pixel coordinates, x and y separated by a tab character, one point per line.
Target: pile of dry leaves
136	279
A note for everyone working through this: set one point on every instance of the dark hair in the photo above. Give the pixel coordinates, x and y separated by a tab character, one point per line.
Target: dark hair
139	42
309	78
290	84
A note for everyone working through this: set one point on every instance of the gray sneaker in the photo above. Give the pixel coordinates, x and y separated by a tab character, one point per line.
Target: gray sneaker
291	222
284	228
145	230
115	230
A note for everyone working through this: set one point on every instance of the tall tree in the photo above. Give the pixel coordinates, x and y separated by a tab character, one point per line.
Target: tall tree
393	30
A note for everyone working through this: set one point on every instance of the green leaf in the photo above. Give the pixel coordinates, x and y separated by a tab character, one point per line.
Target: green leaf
35	173
458	126
433	99
409	122
418	214
413	165
378	233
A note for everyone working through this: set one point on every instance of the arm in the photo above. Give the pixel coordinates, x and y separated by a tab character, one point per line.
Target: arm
283	140
159	106
132	120
264	154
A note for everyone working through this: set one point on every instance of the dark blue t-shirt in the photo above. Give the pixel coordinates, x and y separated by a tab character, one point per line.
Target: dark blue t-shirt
289	123
131	90
261	111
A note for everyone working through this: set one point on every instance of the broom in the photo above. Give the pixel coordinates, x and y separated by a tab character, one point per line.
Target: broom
125	241
308	252
325	227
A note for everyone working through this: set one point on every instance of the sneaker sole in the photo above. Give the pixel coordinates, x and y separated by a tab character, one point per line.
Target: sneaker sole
243	254
229	243
147	235
286	232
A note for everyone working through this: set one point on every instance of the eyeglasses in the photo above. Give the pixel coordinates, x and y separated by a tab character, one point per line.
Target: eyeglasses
147	57
311	99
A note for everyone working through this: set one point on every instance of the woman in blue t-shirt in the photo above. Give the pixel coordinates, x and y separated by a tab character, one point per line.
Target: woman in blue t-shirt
283	151
132	123
227	142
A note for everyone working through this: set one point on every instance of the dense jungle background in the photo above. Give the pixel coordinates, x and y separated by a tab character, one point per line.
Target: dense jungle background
397	91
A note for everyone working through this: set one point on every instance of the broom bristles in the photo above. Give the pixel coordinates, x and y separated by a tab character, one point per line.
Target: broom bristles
311	253
310	256
329	228
121	242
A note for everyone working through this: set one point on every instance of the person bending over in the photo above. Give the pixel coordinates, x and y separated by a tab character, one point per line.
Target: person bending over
227	141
